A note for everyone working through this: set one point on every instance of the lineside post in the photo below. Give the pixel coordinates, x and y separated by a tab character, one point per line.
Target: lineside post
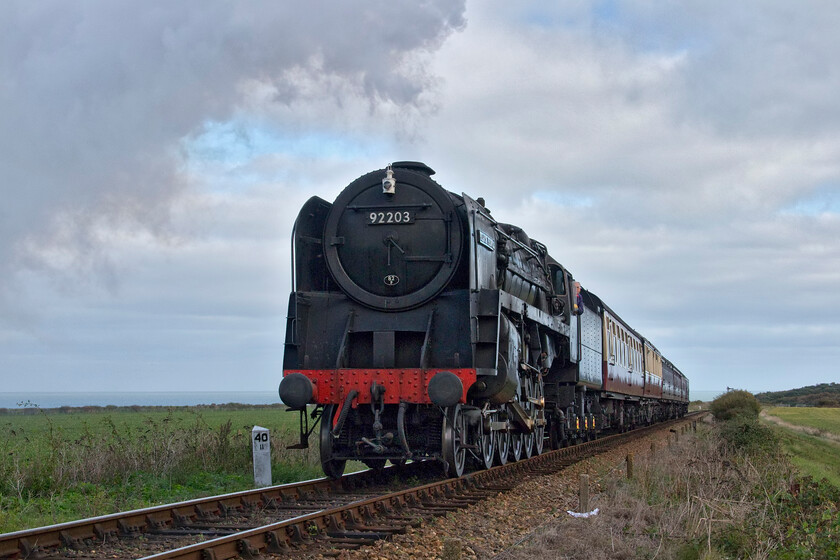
262	456
583	502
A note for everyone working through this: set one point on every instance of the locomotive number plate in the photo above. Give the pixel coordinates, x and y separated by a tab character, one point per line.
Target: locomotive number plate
390	217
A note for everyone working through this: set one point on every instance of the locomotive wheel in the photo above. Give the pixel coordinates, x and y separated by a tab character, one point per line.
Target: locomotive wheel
539	431
333	468
502	438
527	445
453	440
529	440
487	446
515	452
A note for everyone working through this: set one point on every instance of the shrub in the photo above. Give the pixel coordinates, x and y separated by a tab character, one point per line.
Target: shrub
746	433
735	403
828	402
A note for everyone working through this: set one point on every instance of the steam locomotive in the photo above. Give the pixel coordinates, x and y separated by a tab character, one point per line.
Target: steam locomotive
422	328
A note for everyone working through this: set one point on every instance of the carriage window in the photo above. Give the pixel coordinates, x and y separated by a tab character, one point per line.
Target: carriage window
623	349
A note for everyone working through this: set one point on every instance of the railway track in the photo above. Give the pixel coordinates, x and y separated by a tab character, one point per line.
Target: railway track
319	516
203	518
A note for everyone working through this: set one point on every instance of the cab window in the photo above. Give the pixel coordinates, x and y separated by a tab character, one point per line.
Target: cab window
559	282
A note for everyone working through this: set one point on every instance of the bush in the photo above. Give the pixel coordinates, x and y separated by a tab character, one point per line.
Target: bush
735	403
745	433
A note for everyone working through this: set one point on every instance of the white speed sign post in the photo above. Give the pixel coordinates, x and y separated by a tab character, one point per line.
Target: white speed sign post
262	456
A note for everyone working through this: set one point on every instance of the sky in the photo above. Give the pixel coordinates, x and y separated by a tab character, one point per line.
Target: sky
682	159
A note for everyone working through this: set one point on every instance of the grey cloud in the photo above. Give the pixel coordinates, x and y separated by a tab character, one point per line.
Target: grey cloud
672	100
672	155
97	98
753	68
690	156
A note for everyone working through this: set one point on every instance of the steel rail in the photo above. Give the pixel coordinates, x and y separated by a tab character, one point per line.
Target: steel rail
28	542
365	521
281	536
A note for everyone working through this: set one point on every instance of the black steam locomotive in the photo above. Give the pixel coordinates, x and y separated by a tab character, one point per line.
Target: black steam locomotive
421	327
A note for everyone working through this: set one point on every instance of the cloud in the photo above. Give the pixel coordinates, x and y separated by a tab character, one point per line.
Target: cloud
99	99
680	159
627	113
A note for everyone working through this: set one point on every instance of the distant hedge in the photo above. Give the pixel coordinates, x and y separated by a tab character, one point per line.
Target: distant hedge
735	403
824	394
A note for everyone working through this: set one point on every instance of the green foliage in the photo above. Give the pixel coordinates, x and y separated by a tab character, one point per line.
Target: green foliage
744	432
735	403
811	510
791	517
824	395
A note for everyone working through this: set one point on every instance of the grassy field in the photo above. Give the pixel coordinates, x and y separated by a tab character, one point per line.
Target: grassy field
824	419
813	454
57	466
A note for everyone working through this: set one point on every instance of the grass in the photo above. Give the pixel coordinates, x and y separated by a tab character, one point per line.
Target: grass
38	424
57	466
724	493
823	419
813	455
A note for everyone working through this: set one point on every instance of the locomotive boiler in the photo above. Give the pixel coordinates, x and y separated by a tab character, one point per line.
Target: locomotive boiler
422	328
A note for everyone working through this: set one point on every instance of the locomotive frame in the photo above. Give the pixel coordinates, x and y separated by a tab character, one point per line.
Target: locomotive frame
422	328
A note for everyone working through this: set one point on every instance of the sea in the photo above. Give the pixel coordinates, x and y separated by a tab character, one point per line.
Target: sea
702	395
160	398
